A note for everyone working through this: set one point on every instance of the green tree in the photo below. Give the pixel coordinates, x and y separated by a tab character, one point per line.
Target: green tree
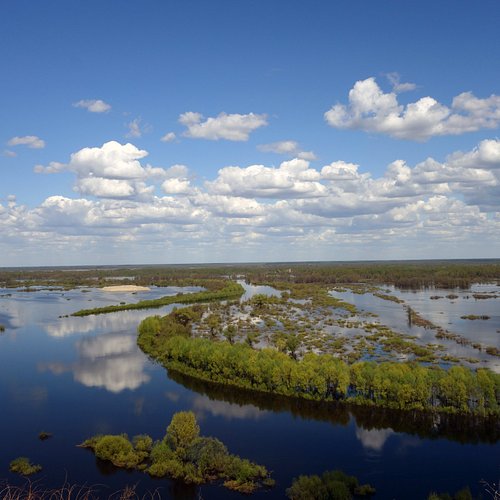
182	431
230	333
292	344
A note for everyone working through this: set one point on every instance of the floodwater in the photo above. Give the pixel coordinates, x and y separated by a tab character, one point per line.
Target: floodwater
445	309
76	377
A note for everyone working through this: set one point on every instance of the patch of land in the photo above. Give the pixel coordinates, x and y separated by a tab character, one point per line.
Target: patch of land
125	288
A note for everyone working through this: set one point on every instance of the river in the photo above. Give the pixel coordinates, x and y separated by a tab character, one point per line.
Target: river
76	377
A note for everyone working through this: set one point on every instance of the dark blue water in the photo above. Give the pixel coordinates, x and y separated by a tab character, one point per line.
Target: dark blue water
76	377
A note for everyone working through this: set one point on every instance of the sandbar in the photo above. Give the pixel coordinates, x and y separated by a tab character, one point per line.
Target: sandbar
125	288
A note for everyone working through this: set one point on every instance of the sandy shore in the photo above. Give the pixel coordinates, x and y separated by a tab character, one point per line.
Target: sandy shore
125	288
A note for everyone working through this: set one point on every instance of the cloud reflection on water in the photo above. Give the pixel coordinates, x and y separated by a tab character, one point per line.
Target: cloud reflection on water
110	361
373	439
203	405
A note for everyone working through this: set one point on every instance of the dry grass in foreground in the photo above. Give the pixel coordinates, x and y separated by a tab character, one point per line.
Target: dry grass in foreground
31	490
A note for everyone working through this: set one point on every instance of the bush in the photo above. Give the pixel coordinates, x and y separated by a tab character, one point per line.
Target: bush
22	465
119	451
332	485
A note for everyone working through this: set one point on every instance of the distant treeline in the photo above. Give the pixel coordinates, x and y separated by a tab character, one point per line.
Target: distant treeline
445	274
407	386
411	274
220	290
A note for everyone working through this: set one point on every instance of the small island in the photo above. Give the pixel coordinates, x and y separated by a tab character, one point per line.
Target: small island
182	454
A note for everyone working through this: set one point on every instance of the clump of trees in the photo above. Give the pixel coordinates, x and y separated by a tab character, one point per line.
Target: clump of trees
23	466
182	454
408	386
331	485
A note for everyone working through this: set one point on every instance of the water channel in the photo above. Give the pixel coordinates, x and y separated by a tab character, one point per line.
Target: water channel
76	377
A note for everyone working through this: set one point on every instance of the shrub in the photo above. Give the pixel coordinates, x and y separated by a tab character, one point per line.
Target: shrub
22	465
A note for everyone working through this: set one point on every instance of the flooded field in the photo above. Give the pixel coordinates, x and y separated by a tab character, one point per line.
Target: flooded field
78	376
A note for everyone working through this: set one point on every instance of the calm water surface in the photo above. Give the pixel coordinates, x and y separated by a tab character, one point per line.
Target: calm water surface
76	377
442	311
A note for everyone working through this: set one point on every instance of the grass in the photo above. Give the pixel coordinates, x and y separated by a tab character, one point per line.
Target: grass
36	491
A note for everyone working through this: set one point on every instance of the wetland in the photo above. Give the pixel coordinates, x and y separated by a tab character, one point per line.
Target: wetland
77	376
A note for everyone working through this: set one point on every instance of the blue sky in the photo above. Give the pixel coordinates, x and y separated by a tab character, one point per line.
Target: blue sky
248	131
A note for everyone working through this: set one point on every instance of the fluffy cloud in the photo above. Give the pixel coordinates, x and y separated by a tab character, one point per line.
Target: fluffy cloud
233	127
169	137
31	141
111	188
176	186
113	170
291	210
293	178
136	128
290	148
372	110
397	86
93	105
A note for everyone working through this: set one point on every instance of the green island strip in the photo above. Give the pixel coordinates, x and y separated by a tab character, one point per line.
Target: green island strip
218	290
182	454
320	377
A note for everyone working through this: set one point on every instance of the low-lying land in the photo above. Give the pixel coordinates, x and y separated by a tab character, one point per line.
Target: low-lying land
323	377
217	290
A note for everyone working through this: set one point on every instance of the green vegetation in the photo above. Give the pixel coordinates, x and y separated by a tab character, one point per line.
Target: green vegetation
331	485
324	377
23	466
475	316
225	290
2	328
182	454
463	494
441	274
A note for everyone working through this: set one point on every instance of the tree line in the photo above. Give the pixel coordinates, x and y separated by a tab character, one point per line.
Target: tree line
220	290
407	386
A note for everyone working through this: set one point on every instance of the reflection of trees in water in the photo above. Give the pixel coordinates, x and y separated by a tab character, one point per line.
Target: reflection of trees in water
424	425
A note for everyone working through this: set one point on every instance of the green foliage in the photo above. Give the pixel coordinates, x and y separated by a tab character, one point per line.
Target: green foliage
332	485
182	431
220	290
119	450
209	454
230	333
142	443
463	494
23	466
408	386
182	454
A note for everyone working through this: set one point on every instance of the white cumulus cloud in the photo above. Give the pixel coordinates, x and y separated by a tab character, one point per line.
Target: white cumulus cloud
372	110
93	105
232	127
169	137
31	141
293	178
290	148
